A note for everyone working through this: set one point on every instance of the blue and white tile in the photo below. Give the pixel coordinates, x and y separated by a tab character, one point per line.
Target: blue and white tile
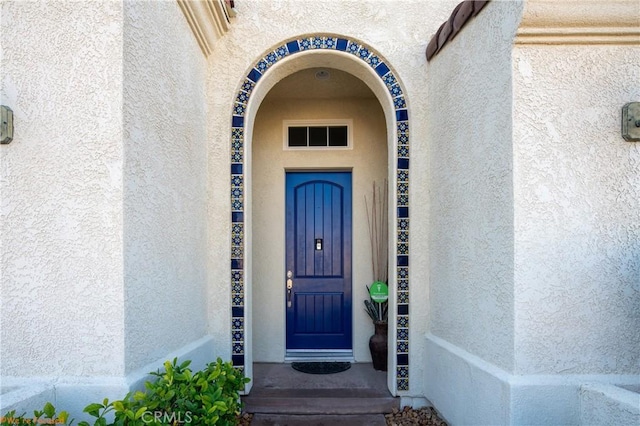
403	321
403	384
248	86
239	109
390	80
242	97
237	323
399	102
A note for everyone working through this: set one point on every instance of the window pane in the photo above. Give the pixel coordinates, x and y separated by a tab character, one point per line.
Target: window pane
297	136
338	136
317	136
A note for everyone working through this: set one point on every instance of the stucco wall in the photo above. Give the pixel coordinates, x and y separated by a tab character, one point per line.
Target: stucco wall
61	190
563	188
471	228
368	162
165	168
577	203
606	404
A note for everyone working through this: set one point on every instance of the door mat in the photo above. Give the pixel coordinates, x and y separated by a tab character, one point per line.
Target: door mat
321	367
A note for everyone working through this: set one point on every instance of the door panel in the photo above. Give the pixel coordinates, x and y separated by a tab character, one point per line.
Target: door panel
318	234
319	312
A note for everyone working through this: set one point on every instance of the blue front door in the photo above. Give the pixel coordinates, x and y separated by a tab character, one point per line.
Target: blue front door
318	261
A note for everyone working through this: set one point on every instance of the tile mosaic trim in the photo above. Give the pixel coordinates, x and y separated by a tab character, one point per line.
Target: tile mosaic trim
260	67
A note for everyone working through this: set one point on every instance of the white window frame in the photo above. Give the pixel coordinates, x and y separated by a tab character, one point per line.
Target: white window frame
316	123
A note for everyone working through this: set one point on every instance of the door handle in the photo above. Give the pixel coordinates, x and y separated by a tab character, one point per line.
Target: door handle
289	287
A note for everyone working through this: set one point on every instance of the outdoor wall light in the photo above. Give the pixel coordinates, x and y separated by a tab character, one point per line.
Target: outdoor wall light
6	124
631	122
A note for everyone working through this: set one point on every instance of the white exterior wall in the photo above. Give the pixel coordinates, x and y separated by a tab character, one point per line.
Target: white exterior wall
577	204
367	161
103	199
470	344
602	404
61	192
165	168
471	228
565	312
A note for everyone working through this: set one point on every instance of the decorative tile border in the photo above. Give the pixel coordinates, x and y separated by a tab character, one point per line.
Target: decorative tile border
375	61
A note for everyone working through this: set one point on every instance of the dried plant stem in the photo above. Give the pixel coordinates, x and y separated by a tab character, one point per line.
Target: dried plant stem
377	219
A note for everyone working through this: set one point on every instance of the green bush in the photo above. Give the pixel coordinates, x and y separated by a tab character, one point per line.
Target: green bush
177	396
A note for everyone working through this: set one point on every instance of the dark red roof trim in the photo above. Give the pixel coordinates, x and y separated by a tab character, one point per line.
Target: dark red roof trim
449	29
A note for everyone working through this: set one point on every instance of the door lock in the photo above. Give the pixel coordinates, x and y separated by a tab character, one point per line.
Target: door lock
289	287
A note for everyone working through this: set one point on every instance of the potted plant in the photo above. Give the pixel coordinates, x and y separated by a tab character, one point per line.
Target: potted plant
378	313
377	305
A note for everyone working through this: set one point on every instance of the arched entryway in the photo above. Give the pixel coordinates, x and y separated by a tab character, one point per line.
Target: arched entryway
359	60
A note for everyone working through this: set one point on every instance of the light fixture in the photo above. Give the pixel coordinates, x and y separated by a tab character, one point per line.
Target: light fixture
323	75
631	122
6	124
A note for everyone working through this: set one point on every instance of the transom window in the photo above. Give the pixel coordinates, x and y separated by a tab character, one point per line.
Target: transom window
311	134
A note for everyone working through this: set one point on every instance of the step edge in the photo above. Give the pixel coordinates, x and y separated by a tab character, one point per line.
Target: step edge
321	412
322	401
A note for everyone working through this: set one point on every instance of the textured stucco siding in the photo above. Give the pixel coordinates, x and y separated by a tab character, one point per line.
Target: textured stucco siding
471	228
577	210
165	168
61	189
609	405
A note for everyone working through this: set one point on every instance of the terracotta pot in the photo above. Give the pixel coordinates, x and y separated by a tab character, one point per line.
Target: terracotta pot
378	346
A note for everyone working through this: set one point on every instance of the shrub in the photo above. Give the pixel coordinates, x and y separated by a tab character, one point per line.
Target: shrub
177	396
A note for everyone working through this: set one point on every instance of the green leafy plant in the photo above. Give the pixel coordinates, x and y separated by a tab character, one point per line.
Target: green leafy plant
99	411
177	396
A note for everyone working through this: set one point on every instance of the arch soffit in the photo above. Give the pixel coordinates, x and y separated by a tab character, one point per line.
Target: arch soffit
321	59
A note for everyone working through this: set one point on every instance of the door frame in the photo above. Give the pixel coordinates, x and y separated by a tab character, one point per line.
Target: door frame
321	354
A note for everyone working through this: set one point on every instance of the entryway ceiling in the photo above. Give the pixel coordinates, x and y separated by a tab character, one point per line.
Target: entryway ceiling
304	85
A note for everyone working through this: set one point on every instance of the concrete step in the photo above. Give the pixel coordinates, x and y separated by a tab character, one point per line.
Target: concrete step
319	405
318	420
320	393
279	390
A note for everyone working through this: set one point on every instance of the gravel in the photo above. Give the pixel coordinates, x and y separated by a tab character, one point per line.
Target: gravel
406	417
411	417
244	419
